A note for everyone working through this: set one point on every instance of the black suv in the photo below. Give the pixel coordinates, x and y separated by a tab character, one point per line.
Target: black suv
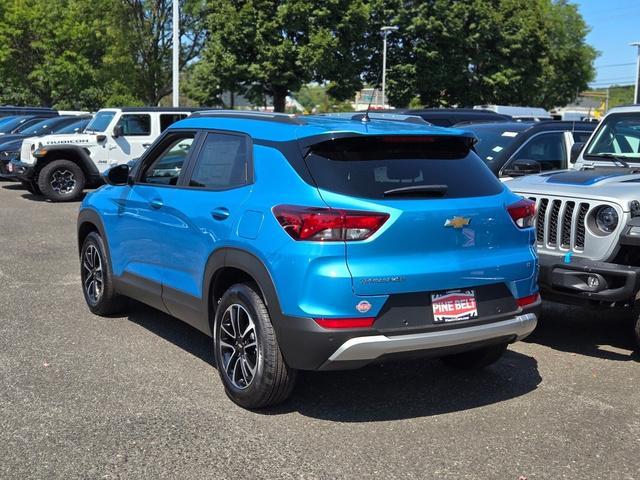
514	149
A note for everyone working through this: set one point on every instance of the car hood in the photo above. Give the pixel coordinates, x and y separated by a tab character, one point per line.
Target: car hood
10	146
620	185
68	138
11	137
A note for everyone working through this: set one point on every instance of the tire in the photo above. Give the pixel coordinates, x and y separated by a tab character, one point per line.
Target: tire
636	326
97	278
61	181
32	188
476	359
272	381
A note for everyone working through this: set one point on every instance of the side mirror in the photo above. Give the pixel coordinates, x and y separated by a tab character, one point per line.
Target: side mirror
118	131
118	175
522	167
576	148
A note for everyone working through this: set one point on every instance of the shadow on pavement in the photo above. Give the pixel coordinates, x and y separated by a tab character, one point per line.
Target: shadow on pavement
389	391
605	334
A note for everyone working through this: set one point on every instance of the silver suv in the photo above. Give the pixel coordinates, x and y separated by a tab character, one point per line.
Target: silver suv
588	220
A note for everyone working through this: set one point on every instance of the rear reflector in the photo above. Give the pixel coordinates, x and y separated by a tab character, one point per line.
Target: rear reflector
524	301
328	224
364	322
523	213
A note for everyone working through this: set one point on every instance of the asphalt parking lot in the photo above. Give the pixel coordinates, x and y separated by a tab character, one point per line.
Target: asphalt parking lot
138	397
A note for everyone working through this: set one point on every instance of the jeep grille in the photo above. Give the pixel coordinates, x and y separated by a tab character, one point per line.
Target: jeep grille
561	223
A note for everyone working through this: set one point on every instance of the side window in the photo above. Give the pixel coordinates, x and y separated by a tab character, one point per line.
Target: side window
581	137
135	124
222	163
548	149
166	168
166	119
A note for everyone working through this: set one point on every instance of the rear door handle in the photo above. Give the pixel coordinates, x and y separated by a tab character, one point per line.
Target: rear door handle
156	203
220	213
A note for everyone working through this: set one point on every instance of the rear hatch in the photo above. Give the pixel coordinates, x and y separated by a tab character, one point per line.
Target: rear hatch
448	225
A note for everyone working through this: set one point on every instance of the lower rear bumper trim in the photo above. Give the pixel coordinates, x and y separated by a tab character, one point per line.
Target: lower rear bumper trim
372	347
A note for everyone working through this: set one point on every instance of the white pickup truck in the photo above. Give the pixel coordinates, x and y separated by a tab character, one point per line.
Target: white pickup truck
59	167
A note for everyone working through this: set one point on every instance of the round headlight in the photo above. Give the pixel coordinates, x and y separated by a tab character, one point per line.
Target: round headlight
606	219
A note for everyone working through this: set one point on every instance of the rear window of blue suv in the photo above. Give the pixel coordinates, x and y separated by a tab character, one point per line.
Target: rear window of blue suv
399	166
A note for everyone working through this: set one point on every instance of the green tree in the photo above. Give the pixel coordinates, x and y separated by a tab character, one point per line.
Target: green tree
268	48
485	51
140	43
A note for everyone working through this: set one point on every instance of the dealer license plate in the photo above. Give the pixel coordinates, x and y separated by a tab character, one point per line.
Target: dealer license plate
454	306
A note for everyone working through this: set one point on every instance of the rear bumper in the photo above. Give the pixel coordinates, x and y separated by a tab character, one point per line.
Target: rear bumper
307	346
373	347
568	282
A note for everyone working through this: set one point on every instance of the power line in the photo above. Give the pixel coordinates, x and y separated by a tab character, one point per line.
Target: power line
616	65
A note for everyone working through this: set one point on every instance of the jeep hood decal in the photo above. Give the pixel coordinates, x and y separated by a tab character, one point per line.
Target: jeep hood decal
585	177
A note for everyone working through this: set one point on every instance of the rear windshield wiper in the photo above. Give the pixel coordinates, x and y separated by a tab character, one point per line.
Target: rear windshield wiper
612	156
418	191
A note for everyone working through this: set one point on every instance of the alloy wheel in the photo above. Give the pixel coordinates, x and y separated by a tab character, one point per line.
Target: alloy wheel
238	346
92	274
63	181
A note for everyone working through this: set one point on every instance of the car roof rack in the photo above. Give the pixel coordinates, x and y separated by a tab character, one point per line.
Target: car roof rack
374	115
251	115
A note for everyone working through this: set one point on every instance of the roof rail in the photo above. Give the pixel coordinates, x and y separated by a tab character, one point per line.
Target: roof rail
374	115
251	115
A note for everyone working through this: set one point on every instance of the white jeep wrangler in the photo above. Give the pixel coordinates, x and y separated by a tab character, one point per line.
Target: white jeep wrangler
59	167
588	219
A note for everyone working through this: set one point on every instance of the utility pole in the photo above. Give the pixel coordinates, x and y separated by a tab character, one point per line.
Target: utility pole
636	95
385	33
176	54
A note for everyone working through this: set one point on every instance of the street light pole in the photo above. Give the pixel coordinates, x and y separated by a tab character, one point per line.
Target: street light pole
176	54
636	95
385	33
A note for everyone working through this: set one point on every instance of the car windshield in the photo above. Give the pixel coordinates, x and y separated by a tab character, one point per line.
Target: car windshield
4	120
11	125
48	125
494	138
101	121
77	126
617	138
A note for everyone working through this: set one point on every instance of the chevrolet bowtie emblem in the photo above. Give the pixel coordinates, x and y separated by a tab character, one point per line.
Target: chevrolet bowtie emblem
457	222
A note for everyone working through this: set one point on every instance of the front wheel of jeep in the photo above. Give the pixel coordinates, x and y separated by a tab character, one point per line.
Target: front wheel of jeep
247	355
476	359
636	327
61	181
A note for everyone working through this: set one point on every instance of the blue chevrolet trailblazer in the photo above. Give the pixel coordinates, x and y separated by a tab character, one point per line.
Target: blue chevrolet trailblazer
315	243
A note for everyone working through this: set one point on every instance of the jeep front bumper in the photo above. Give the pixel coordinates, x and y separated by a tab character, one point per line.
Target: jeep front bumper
586	281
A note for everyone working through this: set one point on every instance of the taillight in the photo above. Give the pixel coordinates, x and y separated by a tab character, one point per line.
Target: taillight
328	224
523	213
364	322
528	300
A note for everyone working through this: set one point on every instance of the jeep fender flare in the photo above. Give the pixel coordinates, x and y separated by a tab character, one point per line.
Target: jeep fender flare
76	154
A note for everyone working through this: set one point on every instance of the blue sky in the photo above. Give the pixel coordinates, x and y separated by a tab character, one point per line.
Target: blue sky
614	24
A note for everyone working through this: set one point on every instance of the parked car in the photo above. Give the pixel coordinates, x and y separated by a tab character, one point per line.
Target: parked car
60	167
588	222
10	144
513	149
19	123
8	110
520	114
314	243
447	117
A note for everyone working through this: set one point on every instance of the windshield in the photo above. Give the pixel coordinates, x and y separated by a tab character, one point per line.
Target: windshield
494	138
6	119
77	126
11	125
618	136
43	127
101	121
